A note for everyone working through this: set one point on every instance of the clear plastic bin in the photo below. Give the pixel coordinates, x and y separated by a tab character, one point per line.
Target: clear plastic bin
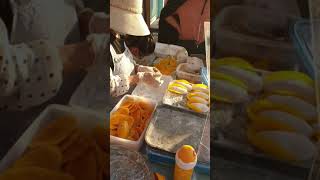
256	34
301	35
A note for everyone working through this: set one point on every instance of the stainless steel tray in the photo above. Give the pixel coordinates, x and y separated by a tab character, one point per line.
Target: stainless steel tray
172	127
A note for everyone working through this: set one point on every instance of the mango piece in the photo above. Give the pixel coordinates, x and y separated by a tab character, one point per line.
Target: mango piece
55	132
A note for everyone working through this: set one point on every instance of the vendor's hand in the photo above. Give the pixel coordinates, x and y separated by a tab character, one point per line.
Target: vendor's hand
133	79
148	69
145	69
156	73
149	78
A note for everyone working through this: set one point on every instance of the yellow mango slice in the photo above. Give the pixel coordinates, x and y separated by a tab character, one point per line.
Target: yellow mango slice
45	156
55	132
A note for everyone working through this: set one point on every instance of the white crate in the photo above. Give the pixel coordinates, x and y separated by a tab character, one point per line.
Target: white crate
133	145
87	120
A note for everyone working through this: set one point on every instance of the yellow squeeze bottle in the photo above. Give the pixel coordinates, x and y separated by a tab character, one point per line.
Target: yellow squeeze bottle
186	160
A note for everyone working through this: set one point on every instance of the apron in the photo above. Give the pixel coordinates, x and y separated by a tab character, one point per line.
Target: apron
122	64
54	20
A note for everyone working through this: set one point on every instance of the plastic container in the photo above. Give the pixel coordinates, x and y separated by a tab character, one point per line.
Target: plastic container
87	120
133	145
255	34
155	94
204	76
182	74
301	36
92	91
163	50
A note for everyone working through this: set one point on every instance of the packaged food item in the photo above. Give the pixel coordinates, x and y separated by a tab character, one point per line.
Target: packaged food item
240	69
282	145
186	160
228	89
291	82
265	115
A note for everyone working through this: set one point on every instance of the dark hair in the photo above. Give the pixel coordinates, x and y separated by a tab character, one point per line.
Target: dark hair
117	43
145	44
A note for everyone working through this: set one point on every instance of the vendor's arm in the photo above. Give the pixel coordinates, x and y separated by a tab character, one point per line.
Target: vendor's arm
82	55
77	57
30	75
120	84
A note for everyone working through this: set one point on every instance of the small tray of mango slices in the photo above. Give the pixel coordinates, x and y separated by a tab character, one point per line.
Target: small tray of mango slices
183	94
62	143
279	110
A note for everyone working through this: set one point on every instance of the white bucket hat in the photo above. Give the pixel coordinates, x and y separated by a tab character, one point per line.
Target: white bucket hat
126	17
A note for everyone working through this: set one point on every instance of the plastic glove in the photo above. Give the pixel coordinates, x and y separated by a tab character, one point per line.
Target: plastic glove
154	70
149	78
146	69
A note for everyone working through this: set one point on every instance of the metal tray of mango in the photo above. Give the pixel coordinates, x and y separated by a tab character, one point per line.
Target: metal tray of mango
269	115
193	97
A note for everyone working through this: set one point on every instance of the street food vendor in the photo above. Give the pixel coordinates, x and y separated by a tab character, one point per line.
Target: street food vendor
126	20
33	57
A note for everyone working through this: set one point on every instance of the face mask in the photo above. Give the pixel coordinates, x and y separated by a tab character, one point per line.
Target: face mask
45	19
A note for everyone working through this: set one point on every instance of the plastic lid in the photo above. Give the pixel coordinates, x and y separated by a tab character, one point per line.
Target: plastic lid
187	154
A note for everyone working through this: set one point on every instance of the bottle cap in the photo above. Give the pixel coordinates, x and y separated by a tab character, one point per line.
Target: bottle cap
186	157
